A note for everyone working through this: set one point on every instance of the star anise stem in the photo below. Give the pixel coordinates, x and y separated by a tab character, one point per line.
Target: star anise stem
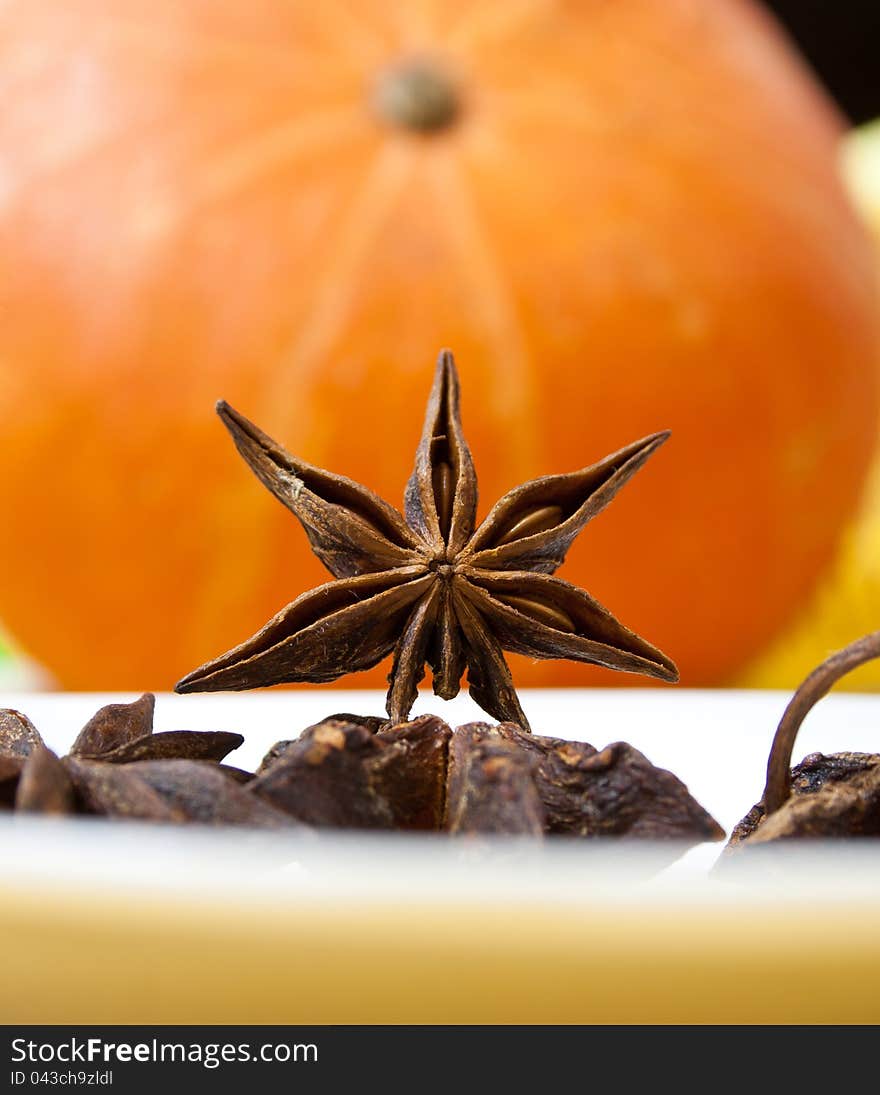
778	787
427	584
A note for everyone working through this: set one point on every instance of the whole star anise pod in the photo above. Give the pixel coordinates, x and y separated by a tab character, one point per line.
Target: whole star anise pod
428	586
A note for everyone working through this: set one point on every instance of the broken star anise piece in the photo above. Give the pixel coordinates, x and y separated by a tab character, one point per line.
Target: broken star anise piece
429	586
122	733
341	774
204	793
586	792
115	726
44	786
490	785
823	796
117	767
18	735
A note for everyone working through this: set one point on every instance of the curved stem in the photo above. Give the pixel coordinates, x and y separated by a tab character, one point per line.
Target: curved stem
817	684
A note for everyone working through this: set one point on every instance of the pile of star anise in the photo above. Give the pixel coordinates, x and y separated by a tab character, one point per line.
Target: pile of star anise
353	773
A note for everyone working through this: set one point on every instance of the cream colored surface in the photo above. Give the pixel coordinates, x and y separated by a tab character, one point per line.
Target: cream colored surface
419	936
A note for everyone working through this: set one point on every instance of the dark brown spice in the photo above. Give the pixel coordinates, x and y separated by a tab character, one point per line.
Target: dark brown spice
10	770
121	733
118	792
323	779
481	778
18	735
111	772
823	796
355	772
373	723
175	745
429	586
831	796
44	786
616	792
410	771
491	787
239	775
340	774
204	793
278	750
115	726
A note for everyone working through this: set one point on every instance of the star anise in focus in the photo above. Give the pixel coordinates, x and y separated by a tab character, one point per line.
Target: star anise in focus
428	585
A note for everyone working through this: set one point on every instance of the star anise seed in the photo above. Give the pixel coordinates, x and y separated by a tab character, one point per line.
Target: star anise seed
428	586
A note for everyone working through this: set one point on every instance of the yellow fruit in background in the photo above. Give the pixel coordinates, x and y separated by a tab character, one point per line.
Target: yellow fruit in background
861	169
846	603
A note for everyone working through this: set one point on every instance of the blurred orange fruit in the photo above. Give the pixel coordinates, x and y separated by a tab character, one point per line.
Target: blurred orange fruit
622	217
